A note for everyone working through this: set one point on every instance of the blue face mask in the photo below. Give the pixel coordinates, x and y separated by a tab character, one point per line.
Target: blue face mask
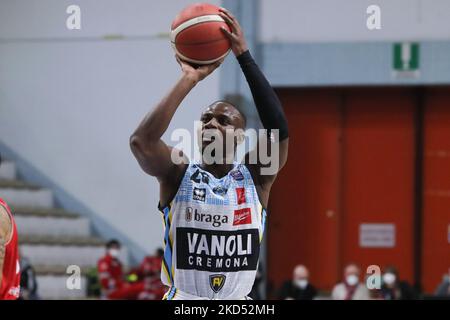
114	253
389	278
301	283
352	280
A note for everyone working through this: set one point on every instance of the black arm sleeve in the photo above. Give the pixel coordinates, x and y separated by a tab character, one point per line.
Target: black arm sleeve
267	103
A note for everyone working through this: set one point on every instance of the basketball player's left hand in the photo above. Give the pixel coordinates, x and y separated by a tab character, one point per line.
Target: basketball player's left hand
237	38
197	73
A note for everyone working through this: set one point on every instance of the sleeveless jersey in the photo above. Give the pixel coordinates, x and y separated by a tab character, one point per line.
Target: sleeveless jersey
10	286
213	230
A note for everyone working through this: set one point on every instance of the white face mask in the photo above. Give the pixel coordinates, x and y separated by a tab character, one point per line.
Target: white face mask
301	283
389	278
352	280
114	253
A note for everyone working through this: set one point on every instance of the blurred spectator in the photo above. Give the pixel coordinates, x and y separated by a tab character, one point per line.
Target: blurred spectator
351	288
111	275
110	269
28	283
148	276
150	270
394	289
443	290
299	287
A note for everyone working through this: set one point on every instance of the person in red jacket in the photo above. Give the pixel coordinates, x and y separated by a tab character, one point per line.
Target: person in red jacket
110	269
9	255
111	276
149	272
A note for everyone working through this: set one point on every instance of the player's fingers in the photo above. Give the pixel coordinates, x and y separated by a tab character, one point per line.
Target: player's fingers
230	22
227	33
228	13
209	68
218	63
178	59
214	66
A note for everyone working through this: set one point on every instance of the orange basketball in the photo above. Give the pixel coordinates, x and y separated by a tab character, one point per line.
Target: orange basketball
196	36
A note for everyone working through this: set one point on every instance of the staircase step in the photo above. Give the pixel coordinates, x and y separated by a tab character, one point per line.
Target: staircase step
60	240
38	198
43	212
19	193
17	184
52	226
65	253
55	287
82	256
8	170
58	270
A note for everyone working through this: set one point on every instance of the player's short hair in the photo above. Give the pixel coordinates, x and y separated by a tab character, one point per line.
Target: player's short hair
234	105
112	243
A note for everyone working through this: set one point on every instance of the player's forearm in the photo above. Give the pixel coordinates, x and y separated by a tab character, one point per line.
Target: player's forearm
156	122
266	100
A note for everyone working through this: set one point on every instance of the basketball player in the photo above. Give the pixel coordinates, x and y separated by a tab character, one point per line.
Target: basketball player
214	214
9	255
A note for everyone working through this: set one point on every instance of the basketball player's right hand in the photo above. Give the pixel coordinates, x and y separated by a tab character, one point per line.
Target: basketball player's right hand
197	74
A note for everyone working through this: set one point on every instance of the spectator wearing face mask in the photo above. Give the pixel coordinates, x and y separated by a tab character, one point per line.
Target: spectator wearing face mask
443	290
110	269
299	287
394	289
351	288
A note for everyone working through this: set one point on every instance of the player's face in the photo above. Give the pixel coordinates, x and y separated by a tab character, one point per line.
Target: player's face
222	118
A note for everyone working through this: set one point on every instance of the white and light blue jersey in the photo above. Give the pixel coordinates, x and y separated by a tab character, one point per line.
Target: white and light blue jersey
213	230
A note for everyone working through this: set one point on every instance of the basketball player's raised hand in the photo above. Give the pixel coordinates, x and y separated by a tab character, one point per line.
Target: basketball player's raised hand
197	74
237	38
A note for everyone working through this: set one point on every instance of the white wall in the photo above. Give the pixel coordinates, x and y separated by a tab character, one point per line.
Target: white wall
345	20
69	107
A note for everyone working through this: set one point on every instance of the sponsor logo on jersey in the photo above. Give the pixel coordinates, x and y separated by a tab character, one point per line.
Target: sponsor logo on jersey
216	220
242	216
189	214
217	250
240	194
199	176
199	194
219	190
216	281
237	175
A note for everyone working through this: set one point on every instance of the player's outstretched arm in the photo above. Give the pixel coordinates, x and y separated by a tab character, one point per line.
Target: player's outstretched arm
267	103
5	234
153	155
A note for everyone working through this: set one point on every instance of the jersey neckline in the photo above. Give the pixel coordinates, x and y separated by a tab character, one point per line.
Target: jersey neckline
235	166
